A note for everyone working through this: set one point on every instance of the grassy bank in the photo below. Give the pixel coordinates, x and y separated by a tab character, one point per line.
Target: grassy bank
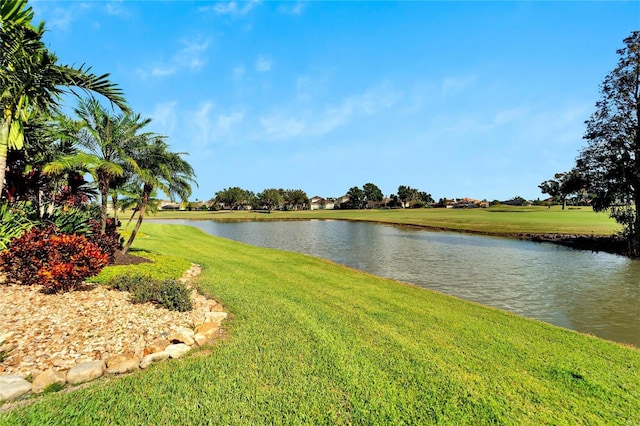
311	342
496	220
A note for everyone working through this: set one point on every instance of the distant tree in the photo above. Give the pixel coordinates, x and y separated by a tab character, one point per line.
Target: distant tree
425	197
295	199
442	202
356	198
563	186
610	162
406	194
234	198
372	193
270	198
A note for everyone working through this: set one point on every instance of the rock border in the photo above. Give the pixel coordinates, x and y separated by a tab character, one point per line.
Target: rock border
174	345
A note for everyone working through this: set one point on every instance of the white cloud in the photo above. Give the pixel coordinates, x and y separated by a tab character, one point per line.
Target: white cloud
370	102
60	18
161	72
232	8
224	122
291	9
282	125
192	54
279	127
116	8
263	64
191	57
164	116
211	126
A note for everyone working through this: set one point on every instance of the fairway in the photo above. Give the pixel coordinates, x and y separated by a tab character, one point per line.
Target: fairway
311	342
500	220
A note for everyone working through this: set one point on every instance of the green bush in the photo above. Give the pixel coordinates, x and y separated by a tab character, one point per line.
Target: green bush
159	268
169	293
13	222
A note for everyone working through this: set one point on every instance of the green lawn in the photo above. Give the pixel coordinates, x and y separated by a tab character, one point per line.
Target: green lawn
496	220
311	342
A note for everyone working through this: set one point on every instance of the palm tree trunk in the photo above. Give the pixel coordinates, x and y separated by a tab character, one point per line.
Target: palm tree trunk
4	147
104	201
114	201
133	213
146	191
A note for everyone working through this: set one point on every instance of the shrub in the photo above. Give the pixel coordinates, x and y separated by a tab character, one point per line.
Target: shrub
60	262
108	242
168	293
13	222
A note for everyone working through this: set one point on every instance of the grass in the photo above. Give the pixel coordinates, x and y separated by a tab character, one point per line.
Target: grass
312	342
501	220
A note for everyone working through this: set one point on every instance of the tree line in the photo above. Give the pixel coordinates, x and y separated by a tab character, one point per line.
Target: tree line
236	198
369	196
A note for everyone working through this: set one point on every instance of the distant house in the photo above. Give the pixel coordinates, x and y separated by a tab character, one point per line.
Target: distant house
319	203
466	203
169	205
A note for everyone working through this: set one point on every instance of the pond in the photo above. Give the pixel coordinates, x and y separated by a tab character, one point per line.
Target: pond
596	293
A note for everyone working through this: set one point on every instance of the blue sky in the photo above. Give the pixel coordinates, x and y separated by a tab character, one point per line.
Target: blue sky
459	99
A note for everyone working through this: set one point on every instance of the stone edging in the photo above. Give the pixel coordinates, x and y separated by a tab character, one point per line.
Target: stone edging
174	345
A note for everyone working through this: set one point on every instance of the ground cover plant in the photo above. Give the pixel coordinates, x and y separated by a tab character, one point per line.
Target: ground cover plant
311	342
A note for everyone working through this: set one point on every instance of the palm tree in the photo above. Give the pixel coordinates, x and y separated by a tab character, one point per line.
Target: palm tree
32	81
132	199
108	141
160	169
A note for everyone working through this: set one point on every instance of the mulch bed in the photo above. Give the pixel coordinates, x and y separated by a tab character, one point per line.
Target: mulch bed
128	259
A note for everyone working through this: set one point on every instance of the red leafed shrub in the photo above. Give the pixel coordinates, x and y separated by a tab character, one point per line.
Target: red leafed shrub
108	242
60	262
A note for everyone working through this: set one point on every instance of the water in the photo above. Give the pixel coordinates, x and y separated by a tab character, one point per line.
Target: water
596	293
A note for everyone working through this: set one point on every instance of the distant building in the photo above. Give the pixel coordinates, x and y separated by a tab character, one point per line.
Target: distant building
319	203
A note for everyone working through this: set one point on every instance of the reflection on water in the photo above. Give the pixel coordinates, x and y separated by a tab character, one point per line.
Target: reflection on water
594	293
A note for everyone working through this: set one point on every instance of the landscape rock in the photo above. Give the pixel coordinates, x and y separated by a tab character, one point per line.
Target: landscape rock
177	350
47	378
85	372
205	332
118	359
215	317
156	346
122	363
81	332
124	367
154	357
182	335
13	387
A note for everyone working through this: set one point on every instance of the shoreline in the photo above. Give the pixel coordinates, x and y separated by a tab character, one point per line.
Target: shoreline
611	244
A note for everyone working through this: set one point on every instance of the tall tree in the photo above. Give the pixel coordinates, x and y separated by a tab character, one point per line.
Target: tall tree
295	199
372	193
563	185
32	81
406	194
270	198
356	197
610	162
160	169
234	197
